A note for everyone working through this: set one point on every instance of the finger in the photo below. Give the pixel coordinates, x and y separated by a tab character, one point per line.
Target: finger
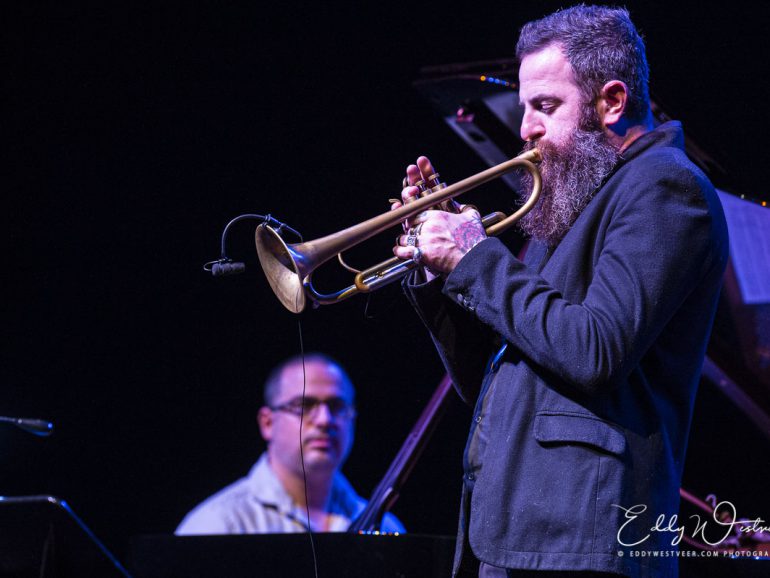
426	168
471	209
457	207
396	204
410	194
413	175
414	179
433	184
406	253
408	239
411	222
451	206
403	252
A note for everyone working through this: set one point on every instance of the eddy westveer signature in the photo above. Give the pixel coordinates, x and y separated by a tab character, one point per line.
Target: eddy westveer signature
731	527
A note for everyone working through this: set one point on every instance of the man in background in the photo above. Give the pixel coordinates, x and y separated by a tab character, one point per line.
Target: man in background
296	484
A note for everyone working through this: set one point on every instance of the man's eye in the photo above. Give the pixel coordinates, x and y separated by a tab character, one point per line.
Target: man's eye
336	405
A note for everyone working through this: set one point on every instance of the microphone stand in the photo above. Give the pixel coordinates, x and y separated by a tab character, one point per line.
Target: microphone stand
43	428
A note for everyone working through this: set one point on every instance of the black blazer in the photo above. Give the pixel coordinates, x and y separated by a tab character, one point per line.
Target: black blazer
589	411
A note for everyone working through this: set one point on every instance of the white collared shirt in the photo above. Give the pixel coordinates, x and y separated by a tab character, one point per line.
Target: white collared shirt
258	504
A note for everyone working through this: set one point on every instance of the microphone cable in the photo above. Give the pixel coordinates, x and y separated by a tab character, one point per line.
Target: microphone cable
302	450
225	265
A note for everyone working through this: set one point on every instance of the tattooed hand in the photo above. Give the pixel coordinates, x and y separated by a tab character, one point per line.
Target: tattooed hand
443	238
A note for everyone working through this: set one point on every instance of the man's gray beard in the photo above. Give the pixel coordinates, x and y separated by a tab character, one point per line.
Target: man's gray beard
572	172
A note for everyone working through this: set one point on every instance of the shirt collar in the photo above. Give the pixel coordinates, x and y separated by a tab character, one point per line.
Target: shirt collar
668	134
266	488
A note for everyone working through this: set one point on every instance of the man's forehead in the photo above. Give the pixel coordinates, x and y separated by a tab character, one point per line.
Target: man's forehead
543	72
317	376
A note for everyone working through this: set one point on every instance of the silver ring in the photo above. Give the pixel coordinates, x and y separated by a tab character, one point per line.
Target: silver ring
417	255
411	241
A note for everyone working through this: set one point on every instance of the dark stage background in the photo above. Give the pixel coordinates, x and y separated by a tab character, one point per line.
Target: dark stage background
134	132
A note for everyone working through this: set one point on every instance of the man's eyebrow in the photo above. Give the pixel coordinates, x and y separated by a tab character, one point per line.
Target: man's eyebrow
532	98
539	97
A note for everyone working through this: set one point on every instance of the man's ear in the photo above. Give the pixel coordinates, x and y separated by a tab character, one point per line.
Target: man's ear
265	421
612	102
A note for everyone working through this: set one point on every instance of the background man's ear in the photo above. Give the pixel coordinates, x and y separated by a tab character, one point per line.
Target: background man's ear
612	102
265	421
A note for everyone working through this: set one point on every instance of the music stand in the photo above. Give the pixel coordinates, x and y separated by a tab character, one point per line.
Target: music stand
41	537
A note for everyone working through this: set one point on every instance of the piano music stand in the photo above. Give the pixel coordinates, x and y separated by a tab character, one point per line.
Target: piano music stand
41	537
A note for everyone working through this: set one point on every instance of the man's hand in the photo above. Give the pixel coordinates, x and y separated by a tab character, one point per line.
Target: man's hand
436	239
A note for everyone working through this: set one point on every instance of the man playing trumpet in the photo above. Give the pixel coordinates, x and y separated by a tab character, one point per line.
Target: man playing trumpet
582	358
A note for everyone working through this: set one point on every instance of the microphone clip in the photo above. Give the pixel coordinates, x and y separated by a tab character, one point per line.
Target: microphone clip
226	266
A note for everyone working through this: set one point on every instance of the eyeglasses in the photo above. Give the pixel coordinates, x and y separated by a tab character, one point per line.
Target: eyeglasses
309	406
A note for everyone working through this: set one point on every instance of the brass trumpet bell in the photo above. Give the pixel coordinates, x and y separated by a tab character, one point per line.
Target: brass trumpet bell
284	267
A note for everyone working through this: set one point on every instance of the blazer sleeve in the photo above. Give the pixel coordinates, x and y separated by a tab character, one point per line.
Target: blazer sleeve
659	244
464	344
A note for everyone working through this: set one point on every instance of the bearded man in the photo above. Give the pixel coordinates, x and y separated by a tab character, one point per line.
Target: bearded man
581	360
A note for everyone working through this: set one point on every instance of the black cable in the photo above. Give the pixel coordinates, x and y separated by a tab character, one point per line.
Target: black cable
278	225
224	265
302	451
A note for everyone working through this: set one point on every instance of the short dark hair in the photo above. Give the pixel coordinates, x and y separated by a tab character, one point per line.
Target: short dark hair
601	44
272	387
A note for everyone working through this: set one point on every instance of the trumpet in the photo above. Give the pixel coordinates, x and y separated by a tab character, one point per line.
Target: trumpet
289	268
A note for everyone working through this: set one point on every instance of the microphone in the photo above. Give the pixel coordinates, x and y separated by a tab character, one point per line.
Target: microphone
38	427
220	269
226	266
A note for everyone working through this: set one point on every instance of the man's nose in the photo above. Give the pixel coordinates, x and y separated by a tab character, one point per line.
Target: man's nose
531	129
322	415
